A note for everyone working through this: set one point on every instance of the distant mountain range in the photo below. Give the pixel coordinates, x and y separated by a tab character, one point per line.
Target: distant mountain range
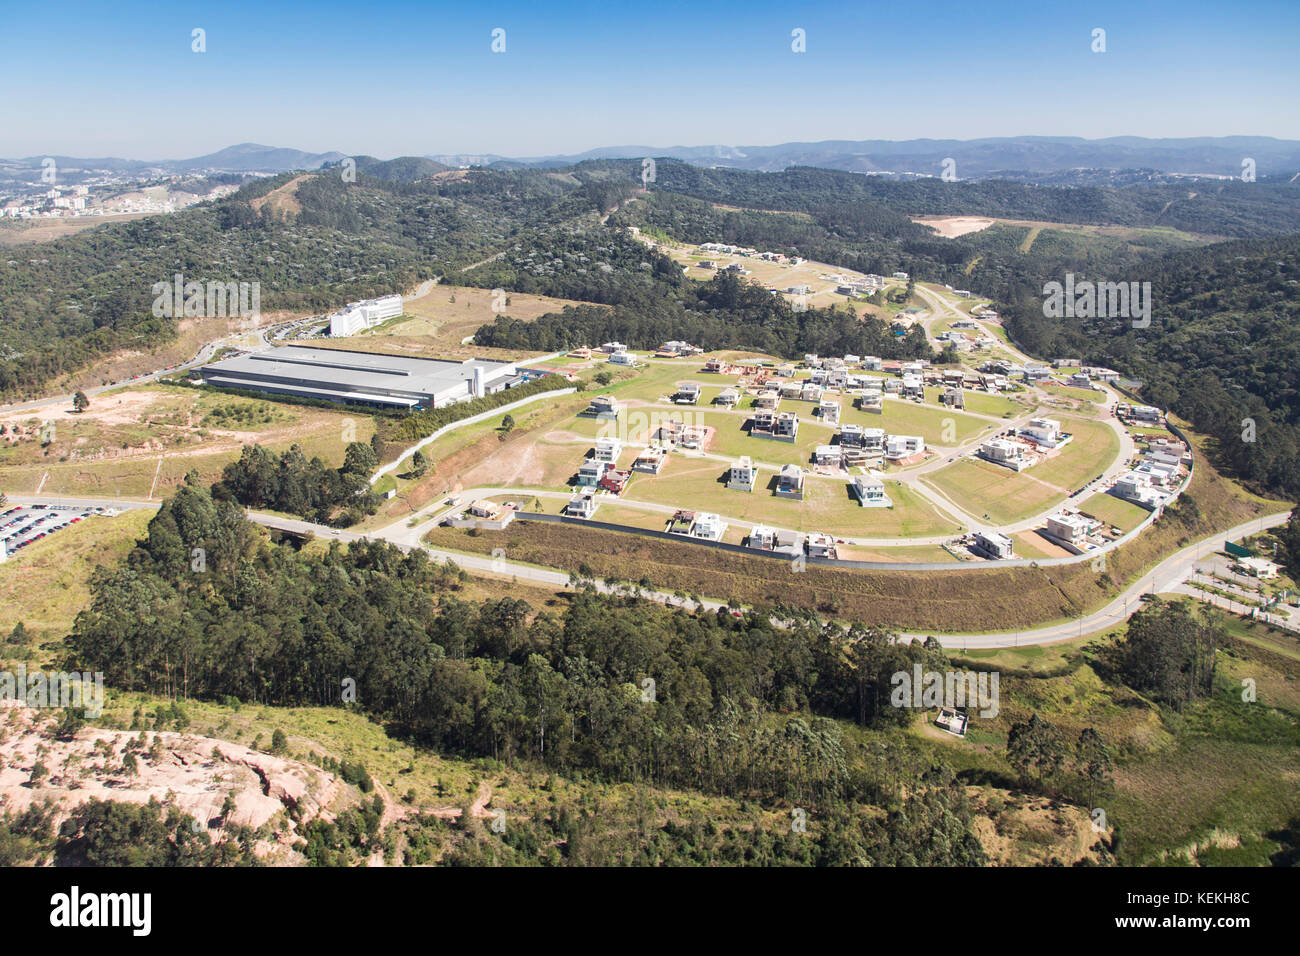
1049	159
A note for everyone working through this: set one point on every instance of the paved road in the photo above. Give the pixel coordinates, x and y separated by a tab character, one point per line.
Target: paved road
1168	575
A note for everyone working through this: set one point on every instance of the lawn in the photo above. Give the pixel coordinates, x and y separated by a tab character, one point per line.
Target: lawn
698	484
984	489
936	424
1090	452
1114	511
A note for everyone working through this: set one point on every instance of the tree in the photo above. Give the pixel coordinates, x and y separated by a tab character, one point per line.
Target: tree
508	423
1093	761
1169	653
359	459
603	378
279	742
80	402
1034	751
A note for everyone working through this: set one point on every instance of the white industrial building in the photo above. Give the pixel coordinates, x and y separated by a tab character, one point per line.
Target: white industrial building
362	378
356	316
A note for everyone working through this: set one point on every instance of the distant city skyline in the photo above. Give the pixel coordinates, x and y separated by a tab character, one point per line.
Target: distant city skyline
411	78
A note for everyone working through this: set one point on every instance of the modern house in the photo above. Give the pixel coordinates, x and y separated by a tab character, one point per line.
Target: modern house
608	449
614	481
1136	488
819	544
602	406
743	475
728	397
622	358
994	544
870	491
789	483
688	393
898	447
1071	530
1009	454
581	506
828	456
829	410
651	460
707	526
590	473
1044	431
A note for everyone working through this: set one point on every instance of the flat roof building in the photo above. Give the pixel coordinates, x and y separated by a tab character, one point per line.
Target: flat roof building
362	378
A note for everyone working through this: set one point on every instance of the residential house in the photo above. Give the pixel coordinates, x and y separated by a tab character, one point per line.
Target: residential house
898	447
828	456
819	544
829	410
728	397
1009	454
651	460
870	491
608	449
707	526
688	393
994	545
1071	529
789	483
581	506
590	473
743	475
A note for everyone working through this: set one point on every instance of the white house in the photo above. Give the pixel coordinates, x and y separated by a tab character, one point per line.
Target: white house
994	544
608	449
828	456
1008	454
581	506
743	475
707	526
790	482
870	491
1044	431
622	358
898	447
1070	529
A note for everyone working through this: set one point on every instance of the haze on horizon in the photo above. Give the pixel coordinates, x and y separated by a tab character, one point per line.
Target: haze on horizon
407	78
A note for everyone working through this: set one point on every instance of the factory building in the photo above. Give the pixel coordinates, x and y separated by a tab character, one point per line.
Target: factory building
362	378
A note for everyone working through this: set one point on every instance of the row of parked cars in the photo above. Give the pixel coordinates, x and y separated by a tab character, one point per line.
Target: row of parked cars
23	524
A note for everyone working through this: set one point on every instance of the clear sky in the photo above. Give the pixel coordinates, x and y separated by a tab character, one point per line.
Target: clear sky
414	78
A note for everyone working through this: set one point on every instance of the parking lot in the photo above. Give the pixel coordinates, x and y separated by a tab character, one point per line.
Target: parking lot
23	524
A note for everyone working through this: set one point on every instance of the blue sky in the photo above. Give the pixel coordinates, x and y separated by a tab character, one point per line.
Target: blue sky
390	79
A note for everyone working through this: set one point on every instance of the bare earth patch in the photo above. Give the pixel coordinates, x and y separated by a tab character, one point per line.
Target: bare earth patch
195	774
950	227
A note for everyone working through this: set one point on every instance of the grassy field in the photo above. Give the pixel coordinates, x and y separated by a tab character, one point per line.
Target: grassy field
1078	394
434	325
1090	452
47	583
828	504
1114	511
985	489
937	425
116	446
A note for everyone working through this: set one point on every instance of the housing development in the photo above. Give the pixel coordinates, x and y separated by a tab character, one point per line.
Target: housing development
490	494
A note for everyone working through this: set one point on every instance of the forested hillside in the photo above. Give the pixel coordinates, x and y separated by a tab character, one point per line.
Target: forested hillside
615	689
1221	349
